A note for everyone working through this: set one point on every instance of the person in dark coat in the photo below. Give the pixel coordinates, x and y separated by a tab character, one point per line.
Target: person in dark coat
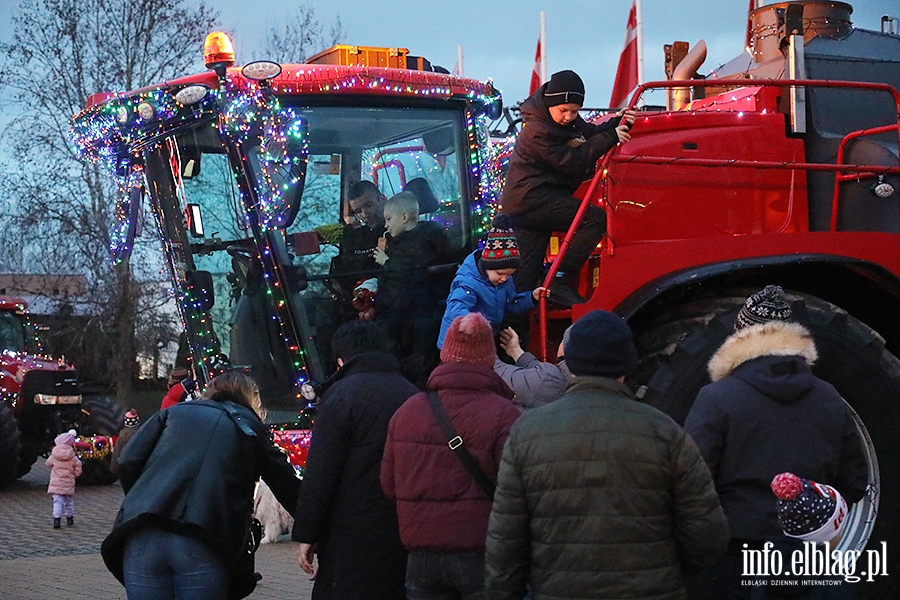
443	512
765	413
600	496
409	302
355	260
189	475
555	151
132	422
342	515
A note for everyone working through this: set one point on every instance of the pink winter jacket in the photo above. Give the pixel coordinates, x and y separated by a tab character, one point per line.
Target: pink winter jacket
65	467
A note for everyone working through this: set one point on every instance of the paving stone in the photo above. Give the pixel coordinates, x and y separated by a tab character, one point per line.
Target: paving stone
38	562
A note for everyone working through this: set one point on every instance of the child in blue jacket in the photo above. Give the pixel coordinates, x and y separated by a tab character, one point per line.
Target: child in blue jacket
484	284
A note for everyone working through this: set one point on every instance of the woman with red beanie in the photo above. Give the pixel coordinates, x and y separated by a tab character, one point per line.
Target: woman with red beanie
442	504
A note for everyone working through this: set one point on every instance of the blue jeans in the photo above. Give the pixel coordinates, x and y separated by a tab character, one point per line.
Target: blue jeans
160	565
445	576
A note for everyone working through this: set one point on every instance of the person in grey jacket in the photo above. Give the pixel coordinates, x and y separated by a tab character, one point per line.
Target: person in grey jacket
535	382
598	495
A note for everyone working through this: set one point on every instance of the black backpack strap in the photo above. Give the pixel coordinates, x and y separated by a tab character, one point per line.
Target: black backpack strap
455	443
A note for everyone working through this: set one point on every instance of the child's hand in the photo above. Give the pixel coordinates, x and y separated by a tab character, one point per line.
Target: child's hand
628	116
380	256
509	341
540	291
622	133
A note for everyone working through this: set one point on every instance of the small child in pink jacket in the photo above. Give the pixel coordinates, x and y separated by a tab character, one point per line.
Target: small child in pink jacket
65	467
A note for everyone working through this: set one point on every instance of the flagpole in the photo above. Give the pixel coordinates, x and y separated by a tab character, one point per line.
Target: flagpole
459	60
640	41
543	41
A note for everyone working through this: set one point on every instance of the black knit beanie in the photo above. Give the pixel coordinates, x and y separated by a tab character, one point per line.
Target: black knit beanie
765	305
564	87
600	343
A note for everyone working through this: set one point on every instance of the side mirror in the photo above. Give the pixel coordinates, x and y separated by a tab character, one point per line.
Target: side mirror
494	108
194	220
200	286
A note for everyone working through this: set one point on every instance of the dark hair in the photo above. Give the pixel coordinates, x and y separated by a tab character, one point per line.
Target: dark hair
361	188
236	387
354	337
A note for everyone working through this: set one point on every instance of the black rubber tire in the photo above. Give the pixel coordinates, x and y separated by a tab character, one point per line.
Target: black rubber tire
105	417
27	457
9	445
852	357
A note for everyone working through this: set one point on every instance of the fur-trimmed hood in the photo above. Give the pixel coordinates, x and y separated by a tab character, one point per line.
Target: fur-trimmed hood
773	357
775	338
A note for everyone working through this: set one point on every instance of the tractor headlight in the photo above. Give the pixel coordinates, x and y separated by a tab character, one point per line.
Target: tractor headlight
50	399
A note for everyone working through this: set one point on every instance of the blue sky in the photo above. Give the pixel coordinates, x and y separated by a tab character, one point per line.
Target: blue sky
499	37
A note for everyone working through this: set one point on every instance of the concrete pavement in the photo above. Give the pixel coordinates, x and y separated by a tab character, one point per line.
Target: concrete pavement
38	562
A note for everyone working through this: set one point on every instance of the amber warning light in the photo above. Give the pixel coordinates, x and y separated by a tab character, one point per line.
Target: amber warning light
218	51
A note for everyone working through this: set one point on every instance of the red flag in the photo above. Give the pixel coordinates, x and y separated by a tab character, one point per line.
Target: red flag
536	73
627	73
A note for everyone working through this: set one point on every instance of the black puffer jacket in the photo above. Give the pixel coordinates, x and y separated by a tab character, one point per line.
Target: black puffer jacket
192	469
341	506
600	496
551	160
766	413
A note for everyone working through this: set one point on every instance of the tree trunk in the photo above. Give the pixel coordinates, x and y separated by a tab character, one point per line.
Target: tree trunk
123	328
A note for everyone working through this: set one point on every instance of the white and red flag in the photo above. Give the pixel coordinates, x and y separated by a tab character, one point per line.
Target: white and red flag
536	72
627	75
539	73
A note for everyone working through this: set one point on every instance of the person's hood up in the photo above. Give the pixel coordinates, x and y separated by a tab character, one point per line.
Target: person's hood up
63	453
773	357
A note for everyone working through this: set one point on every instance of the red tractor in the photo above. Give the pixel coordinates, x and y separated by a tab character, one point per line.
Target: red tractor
40	397
743	179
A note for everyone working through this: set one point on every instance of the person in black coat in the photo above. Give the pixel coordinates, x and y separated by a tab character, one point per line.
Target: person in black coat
555	151
765	413
342	514
189	476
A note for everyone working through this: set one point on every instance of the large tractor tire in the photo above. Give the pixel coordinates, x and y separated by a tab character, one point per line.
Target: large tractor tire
107	418
852	357
9	445
28	454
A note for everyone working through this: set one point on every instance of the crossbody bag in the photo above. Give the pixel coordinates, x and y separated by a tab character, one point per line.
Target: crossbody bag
455	443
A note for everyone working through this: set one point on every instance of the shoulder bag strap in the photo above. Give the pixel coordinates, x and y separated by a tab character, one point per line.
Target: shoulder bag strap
455	443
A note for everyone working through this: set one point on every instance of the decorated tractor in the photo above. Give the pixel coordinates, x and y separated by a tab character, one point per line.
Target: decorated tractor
742	179
40	397
246	171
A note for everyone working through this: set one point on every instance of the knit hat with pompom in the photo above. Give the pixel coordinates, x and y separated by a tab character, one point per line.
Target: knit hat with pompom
768	304
808	510
500	248
469	339
65	439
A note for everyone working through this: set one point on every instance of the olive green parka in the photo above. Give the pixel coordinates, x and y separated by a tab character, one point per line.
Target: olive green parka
601	496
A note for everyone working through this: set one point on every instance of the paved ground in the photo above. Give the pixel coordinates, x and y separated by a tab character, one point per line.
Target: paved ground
38	562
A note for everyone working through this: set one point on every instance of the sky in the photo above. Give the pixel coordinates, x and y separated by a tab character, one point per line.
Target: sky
499	37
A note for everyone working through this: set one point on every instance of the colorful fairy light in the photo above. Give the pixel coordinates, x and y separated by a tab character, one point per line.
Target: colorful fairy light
122	129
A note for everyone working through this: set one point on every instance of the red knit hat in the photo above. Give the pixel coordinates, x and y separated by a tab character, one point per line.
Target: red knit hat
469	339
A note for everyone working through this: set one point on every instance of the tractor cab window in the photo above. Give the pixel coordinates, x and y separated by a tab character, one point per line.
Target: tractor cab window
391	150
420	151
